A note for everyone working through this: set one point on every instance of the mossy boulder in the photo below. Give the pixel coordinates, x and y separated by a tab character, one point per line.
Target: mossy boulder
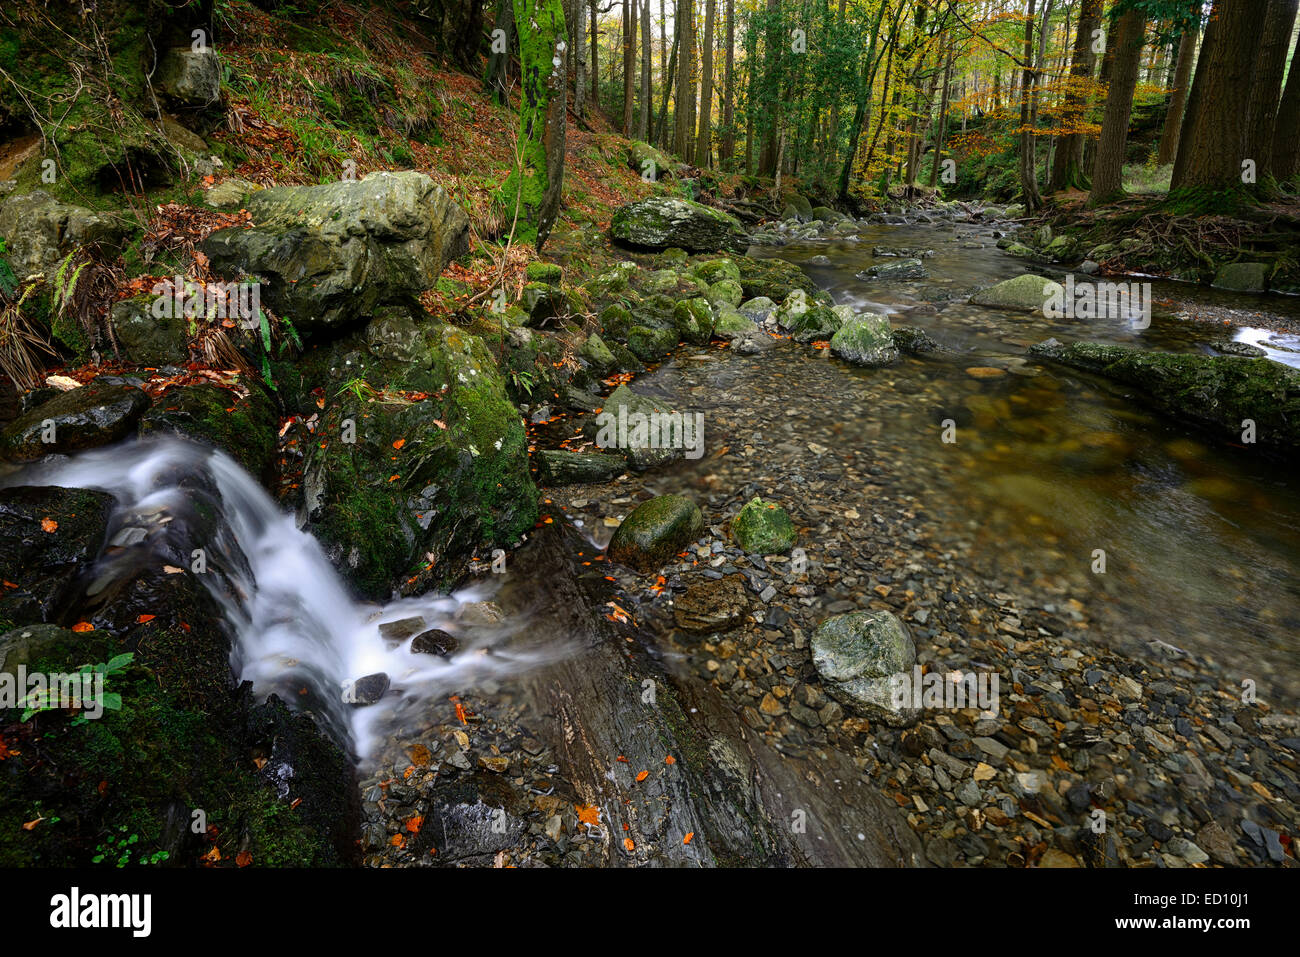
857	655
148	339
758	309
716	270
655	531
649	163
401	516
865	340
651	343
772	278
548	273
817	322
39	231
661	221
763	528
611	282
693	319
725	292
731	324
1243	277
1025	293
93	415
329	254
242	428
898	270
598	354
1226	393
641	450
190	77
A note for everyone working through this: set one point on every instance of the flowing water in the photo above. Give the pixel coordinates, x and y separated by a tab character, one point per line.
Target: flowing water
1050	468
294	624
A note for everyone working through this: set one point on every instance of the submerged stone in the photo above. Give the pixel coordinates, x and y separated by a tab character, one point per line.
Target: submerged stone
856	654
865	340
763	528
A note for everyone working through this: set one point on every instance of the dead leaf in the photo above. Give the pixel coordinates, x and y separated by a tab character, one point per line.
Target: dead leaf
49	525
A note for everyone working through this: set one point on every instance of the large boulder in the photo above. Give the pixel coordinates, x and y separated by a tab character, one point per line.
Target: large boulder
39	231
1243	277
857	656
655	531
615	429
190	77
1220	391
148	339
660	222
437	463
96	414
243	428
330	254
649	163
1025	293
865	340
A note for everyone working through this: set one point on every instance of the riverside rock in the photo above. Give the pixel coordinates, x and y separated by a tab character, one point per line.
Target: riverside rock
856	654
655	531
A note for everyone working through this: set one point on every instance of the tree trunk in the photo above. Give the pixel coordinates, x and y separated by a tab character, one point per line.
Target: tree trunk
681	131
1108	176
595	59
1266	87
1103	78
1178	101
643	119
1285	157
580	58
1067	166
533	192
943	122
1033	199
1213	140
727	147
663	106
629	62
705	138
687	70
497	75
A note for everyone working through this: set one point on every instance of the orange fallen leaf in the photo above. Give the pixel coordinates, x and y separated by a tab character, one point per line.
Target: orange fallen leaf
397	840
243	858
415	823
687	838
83	626
30	825
643	775
627	842
399	443
670	760
295	803
145	618
49	525
588	814
213	855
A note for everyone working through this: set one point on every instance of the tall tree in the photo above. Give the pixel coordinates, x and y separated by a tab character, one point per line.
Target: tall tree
497	75
1108	174
579	57
1285	158
684	129
1182	80
643	119
629	62
705	138
1067	164
1266	86
727	147
595	56
1212	144
1033	199
533	190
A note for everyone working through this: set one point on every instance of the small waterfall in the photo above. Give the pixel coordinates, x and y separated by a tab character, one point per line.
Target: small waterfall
294	625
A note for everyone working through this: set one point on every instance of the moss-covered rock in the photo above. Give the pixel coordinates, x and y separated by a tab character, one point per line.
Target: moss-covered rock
725	292
693	319
1025	293
772	278
865	340
399	516
763	528
96	414
1243	277
148	339
716	270
242	428
856	656
655	531
1236	396
548	273
651	343
661	221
